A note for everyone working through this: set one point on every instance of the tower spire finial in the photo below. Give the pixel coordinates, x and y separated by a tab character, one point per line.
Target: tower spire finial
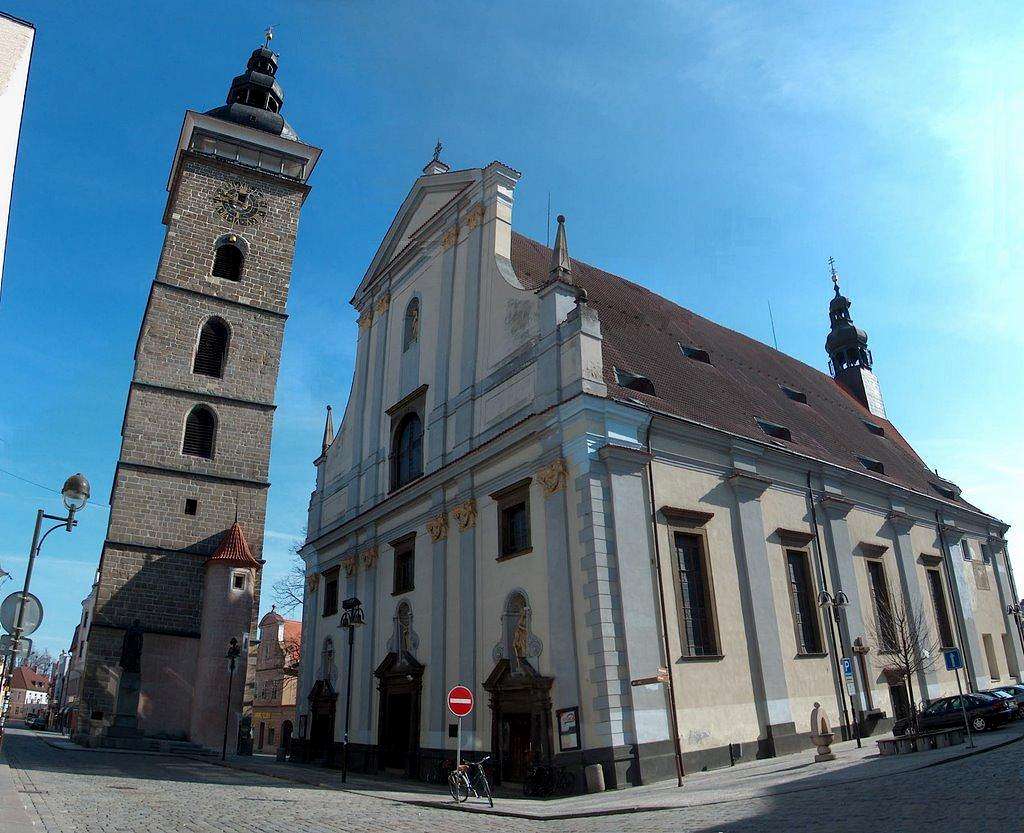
561	265
268	33
437	151
328	431
436	165
835	274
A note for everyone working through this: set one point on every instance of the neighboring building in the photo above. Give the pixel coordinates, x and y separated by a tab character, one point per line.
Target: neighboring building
58	690
277	671
17	38
550	483
182	555
72	707
30	693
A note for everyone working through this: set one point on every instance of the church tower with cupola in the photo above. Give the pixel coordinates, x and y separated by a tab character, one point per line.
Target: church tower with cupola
849	358
184	544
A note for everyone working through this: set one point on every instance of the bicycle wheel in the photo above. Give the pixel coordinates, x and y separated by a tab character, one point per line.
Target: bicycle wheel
566	782
484	788
458	786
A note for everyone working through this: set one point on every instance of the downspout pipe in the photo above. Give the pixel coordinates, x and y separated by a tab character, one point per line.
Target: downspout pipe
957	608
664	616
837	673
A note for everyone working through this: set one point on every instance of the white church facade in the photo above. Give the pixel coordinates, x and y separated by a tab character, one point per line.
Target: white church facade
642	539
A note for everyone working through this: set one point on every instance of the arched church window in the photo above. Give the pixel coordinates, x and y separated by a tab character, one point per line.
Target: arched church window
407	451
212	350
200	432
227	262
411	325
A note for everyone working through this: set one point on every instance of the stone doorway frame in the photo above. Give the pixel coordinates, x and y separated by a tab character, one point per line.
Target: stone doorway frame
520	692
400	674
323	700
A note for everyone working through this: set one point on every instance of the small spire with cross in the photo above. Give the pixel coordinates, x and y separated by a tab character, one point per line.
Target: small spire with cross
436	165
268	33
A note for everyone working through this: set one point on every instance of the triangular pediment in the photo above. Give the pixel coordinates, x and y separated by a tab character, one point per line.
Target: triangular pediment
430	195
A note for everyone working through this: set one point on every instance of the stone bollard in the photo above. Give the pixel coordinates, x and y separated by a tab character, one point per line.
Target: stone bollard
595	778
821	735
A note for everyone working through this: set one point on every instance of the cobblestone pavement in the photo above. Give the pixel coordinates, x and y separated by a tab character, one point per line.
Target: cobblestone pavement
87	791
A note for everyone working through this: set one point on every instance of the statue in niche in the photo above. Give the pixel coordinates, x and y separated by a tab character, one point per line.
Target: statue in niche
131	649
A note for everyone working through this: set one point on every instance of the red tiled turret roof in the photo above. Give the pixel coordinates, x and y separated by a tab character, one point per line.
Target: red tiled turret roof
233	549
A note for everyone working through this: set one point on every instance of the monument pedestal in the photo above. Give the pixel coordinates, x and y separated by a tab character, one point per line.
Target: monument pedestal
126	721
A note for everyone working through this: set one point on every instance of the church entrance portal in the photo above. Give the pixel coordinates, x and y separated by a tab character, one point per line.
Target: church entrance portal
323	701
398	733
521	719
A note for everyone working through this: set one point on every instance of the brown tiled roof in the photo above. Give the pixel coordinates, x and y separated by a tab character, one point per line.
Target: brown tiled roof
642	333
293	638
233	549
29	678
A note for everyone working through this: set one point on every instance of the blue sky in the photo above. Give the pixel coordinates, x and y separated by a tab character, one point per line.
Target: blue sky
717	153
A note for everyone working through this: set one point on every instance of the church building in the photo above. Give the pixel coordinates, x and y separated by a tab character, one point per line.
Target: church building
641	539
179	574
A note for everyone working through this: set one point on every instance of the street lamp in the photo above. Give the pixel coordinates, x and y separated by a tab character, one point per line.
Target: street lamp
351	618
234	651
75	495
1016	610
836	603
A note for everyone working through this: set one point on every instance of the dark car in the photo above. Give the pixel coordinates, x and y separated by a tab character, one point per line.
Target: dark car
37	722
984	711
1014	691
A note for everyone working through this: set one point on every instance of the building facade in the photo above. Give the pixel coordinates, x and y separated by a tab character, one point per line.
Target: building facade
642	539
180	569
30	694
277	671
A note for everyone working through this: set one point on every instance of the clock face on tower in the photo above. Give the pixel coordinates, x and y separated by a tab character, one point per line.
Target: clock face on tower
240	204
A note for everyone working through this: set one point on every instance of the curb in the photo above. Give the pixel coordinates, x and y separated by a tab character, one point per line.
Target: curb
610	811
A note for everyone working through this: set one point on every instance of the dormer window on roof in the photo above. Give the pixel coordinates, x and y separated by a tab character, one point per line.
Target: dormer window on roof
874	427
945	489
794	394
695	353
872	465
776	432
634	381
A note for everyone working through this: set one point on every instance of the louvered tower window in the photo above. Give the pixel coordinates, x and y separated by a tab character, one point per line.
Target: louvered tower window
227	262
200	431
212	350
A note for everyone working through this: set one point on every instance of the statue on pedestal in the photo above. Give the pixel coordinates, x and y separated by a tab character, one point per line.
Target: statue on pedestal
126	721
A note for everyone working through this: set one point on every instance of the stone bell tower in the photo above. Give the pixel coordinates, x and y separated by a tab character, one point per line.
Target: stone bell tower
184	543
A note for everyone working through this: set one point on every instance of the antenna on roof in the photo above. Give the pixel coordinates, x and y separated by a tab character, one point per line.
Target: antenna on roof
547	225
772	319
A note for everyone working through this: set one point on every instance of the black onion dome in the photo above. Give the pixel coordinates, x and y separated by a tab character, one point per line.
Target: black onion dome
255	98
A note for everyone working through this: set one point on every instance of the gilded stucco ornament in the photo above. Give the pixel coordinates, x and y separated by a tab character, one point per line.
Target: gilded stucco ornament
370	557
438	527
552	476
451	237
351	565
240	204
366	319
475	216
383	303
465	515
312	582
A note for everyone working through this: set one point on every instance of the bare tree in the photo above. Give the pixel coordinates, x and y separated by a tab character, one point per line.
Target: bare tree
42	661
905	645
288	589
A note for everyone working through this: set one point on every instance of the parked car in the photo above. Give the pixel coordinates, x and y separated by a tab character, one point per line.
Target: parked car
984	711
1014	691
37	722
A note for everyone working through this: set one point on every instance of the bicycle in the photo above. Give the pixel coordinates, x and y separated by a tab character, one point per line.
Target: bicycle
438	771
545	780
470	777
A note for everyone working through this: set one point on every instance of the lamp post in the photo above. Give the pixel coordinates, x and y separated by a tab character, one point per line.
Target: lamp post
75	495
835	603
1016	610
234	651
351	618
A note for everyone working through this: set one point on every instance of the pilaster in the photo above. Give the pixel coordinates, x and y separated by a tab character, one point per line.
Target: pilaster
437	532
770	686
464	516
963	602
1000	563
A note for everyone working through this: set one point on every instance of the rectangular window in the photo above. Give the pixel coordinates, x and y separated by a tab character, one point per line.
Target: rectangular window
238	581
966	550
882	606
990	655
941	611
331	593
801	595
696	622
191	505
405	563
513	520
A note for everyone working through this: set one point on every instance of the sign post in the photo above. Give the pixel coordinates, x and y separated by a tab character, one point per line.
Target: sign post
851	690
954	662
460	704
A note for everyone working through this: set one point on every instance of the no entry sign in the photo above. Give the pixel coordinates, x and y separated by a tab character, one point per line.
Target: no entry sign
460	701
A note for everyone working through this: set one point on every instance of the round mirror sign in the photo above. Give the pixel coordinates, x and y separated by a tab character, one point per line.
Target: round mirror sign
31	618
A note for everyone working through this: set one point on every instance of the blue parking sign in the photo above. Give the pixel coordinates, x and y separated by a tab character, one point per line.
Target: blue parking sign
848	667
953	659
